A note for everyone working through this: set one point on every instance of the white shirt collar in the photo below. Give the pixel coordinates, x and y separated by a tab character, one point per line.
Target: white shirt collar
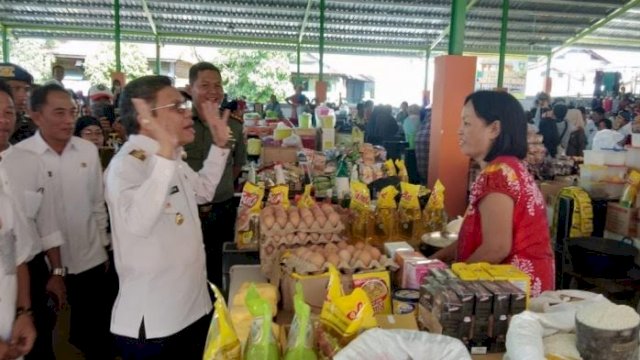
149	145
6	151
40	146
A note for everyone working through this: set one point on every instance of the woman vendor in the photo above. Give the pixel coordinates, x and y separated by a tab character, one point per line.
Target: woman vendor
506	221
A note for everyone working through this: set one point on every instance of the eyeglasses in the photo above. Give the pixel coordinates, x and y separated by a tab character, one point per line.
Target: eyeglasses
179	107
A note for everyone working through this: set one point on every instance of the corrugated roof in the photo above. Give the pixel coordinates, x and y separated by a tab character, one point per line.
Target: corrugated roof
376	27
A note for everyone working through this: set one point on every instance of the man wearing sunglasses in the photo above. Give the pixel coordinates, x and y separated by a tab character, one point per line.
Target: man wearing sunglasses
163	307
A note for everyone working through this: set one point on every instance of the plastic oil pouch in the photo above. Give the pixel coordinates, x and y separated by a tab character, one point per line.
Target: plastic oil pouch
386	214
222	341
301	344
409	215
435	216
362	226
630	190
261	344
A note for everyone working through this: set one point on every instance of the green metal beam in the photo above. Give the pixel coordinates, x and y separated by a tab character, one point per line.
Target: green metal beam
157	69
456	33
598	24
116	19
503	41
321	45
446	30
166	36
5	43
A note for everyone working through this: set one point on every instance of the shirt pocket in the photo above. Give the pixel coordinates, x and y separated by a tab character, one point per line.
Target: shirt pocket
33	200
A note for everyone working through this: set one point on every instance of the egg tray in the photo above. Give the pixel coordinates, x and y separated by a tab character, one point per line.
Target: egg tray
271	251
328	228
301	266
301	238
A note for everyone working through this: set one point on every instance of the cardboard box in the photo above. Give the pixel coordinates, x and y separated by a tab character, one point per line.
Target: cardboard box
551	189
621	220
271	155
327	139
390	322
315	288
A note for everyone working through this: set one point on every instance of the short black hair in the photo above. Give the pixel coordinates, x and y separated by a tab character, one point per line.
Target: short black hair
5	88
492	106
57	66
145	88
197	68
560	111
599	110
39	96
607	123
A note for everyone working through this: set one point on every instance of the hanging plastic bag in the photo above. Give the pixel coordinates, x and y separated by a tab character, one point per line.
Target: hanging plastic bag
261	344
301	340
222	341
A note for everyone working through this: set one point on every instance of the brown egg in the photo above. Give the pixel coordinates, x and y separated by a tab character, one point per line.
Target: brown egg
269	220
308	220
300	251
334	219
365	257
331	248
375	253
317	260
333	259
342	245
345	255
359	245
327	209
314	248
281	219
351	249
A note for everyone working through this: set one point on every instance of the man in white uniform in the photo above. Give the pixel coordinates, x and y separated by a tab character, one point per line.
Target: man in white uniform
73	167
17	332
162	309
35	201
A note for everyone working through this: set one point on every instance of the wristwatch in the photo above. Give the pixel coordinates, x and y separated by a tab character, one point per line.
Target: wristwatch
61	271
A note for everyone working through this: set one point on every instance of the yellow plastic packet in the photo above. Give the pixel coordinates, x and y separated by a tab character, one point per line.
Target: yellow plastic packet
409	215
251	199
279	195
343	317
434	215
386	215
222	341
362	226
402	170
630	190
306	201
390	168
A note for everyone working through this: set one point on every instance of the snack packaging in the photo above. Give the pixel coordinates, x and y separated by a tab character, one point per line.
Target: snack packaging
434	215
362	226
306	201
261	344
301	343
279	195
222	341
386	215
409	215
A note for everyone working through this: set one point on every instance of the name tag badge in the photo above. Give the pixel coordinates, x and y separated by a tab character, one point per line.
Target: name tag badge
174	190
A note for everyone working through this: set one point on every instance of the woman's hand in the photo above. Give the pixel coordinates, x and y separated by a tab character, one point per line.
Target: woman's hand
446	254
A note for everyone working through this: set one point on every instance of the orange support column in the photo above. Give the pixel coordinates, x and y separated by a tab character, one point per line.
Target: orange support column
321	91
547	85
454	79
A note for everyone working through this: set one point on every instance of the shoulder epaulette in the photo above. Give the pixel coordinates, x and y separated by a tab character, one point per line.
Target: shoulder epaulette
138	154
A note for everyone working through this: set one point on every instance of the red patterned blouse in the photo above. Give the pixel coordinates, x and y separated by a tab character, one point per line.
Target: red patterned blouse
531	249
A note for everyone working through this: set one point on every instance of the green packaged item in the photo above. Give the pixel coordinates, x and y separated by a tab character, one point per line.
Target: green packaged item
301	340
261	344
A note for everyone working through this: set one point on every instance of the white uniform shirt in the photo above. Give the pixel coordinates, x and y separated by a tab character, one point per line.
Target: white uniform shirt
33	196
76	178
13	251
157	240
